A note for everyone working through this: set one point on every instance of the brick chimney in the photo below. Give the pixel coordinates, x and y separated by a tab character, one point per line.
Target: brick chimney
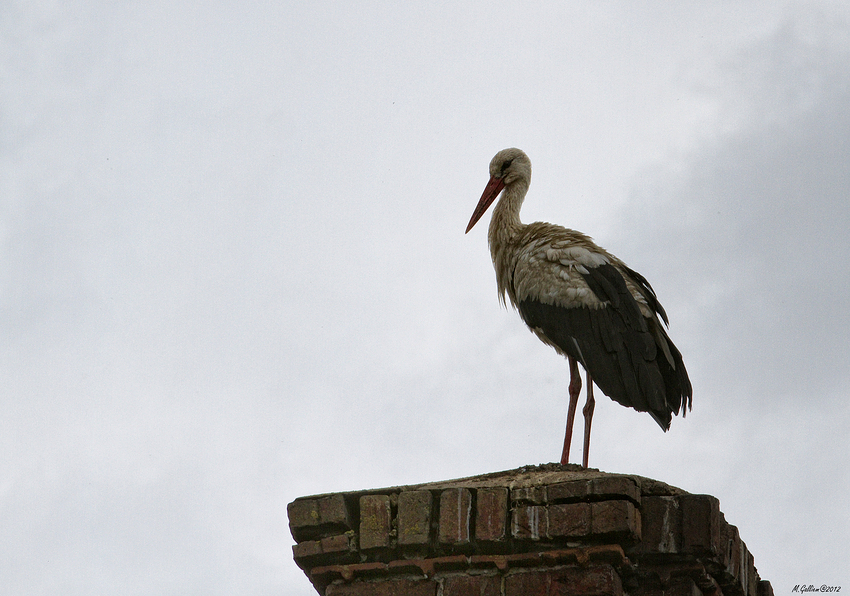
534	531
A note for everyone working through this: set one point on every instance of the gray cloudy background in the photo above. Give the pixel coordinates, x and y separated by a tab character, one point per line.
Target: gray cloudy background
234	271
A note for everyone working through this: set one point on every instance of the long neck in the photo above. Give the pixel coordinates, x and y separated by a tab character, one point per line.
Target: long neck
505	226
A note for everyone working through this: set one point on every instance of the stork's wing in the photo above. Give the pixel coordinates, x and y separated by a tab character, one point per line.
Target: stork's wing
578	299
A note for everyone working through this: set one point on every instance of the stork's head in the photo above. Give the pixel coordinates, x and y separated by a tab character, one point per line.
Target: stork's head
508	166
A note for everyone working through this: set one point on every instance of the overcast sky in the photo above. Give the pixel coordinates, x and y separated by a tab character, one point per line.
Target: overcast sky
234	270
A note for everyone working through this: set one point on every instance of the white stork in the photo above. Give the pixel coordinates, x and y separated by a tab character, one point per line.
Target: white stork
584	302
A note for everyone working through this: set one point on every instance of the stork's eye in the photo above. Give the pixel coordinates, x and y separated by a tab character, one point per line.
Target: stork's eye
506	165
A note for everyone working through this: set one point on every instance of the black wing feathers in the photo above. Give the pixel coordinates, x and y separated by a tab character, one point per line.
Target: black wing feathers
608	285
648	293
617	344
604	281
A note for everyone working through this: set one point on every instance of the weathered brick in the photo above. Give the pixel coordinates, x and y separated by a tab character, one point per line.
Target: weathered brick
530	522
738	569
592	580
414	566
375	521
534	583
569	537
308	548
329	573
615	517
302	513
751	585
335	544
661	525
701	523
492	514
455	516
414	517
615	487
448	563
309	518
488	561
332	510
731	556
532	559
569	520
733	566
472	585
324	551
682	586
398	587
574	490
529	494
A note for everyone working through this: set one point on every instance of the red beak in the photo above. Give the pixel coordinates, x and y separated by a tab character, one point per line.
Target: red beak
491	191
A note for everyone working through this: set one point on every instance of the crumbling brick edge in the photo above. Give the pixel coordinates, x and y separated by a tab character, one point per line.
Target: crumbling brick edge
507	532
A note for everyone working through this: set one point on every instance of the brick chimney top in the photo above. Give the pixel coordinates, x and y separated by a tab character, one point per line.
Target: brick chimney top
536	530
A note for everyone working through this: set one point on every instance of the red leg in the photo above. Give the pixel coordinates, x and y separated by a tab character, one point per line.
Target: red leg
575	389
588	416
